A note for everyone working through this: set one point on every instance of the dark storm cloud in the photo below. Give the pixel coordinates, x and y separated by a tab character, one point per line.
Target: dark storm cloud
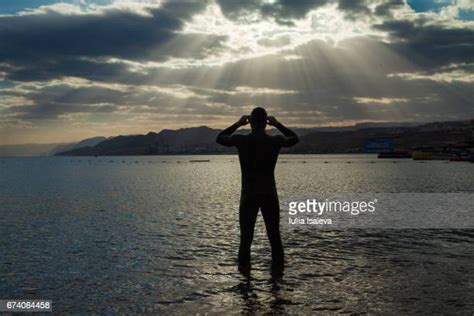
283	11
53	110
354	8
59	98
67	94
63	67
386	8
53	37
428	44
52	63
54	100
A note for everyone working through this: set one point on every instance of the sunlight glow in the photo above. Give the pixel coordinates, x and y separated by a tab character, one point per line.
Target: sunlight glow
249	40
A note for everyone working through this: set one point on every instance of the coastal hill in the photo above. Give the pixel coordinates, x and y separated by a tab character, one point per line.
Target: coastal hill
36	150
201	140
194	140
88	142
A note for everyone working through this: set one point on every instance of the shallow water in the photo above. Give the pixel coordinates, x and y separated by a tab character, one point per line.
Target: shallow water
160	234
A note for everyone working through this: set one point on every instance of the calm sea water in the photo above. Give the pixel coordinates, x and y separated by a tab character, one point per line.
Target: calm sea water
160	235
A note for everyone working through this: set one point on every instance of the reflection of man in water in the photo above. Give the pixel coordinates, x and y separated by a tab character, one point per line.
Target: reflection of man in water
258	154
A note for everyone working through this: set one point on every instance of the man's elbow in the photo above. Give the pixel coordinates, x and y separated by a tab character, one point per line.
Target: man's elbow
222	140
294	140
291	141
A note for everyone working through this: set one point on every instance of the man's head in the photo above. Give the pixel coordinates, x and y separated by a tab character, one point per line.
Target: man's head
258	119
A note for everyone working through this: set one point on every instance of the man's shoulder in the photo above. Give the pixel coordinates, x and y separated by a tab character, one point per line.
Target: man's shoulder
240	136
276	136
239	139
277	139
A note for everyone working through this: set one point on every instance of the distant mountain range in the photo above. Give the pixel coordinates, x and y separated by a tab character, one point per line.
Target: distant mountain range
88	142
186	140
29	150
201	140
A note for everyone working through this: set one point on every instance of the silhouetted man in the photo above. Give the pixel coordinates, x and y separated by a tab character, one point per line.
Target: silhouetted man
258	154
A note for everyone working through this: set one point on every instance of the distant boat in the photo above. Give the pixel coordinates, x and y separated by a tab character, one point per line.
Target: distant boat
200	160
398	154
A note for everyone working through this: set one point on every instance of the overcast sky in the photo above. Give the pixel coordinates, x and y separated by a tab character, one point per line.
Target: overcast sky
76	69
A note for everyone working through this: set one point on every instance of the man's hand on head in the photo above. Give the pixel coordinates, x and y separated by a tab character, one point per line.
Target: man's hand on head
272	121
244	120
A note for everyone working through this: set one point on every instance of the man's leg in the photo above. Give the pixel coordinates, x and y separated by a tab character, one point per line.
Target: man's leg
271	215
247	216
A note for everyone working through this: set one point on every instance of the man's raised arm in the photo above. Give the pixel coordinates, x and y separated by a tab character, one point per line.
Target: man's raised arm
226	138
290	138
